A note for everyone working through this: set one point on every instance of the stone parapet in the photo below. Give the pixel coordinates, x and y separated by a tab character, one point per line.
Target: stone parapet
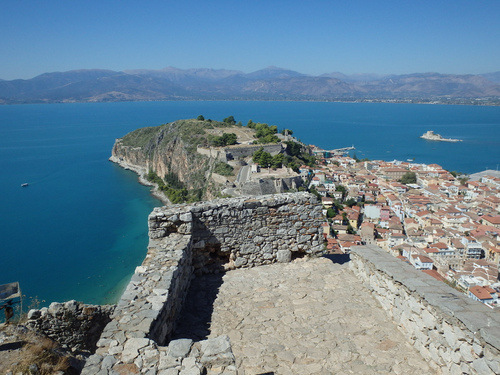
199	238
454	333
245	232
75	326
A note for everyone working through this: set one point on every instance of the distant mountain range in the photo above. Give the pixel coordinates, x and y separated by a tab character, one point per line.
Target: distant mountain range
271	83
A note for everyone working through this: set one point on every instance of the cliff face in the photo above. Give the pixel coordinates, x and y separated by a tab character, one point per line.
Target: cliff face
167	149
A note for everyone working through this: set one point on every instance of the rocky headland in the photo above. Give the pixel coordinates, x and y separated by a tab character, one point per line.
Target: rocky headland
184	162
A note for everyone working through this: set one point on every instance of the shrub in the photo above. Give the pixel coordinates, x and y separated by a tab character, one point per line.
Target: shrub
223	169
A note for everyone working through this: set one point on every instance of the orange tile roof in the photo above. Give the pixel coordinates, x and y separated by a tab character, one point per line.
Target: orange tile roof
480	292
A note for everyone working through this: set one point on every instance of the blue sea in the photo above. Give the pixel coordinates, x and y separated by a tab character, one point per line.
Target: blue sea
80	228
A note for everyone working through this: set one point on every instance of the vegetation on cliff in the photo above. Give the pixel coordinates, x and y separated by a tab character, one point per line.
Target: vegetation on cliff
169	154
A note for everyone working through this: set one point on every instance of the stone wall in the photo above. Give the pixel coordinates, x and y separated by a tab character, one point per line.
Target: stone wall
263	186
244	232
242	151
199	238
454	333
75	326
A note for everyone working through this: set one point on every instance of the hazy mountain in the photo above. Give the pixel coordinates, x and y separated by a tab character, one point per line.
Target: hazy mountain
492	77
271	83
179	75
361	77
273	72
432	85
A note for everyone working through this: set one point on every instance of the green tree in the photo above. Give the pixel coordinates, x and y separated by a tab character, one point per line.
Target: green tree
285	131
409	178
257	154
265	159
270	138
293	148
350	202
200	118
223	169
224	140
229	120
277	161
330	213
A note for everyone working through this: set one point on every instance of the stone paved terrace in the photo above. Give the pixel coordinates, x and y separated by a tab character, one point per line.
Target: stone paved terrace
305	317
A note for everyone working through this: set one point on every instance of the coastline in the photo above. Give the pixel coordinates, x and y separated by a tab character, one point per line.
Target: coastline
141	172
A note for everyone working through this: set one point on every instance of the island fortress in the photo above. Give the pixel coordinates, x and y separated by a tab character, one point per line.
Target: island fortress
431	136
451	332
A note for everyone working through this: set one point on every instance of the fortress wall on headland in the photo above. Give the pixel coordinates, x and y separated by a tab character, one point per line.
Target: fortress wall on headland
242	151
270	186
453	332
238	151
204	237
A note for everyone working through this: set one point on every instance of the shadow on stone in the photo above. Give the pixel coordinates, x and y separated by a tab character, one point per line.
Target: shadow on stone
338	258
196	314
12	345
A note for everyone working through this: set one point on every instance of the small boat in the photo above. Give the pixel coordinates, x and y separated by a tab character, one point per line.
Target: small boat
24	185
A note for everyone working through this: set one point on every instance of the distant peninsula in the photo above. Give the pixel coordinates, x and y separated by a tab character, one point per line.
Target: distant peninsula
272	83
431	136
202	159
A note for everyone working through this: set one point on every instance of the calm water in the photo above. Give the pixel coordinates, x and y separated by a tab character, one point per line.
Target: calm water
79	229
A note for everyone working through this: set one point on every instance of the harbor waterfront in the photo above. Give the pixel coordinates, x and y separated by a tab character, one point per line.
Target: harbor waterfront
78	230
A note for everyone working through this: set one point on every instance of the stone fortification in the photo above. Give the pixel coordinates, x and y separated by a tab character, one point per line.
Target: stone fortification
242	151
200	238
261	186
74	325
454	333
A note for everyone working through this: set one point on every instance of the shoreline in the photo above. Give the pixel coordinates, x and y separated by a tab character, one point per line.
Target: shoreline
155	192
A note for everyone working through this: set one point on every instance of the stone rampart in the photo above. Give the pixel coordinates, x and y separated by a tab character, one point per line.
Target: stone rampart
263	186
199	238
454	333
242	151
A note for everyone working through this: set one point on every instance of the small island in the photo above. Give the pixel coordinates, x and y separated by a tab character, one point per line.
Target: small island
431	136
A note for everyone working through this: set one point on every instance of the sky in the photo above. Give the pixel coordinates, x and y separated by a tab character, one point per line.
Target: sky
311	37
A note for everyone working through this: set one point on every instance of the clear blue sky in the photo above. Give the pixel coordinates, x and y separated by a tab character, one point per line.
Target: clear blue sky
312	37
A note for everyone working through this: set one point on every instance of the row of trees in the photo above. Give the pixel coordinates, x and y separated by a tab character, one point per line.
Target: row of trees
225	139
263	132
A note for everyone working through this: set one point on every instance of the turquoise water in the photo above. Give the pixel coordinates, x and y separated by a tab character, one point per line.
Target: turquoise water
79	229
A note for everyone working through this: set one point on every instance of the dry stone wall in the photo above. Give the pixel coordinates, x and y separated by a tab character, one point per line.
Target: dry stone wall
199	238
75	326
454	333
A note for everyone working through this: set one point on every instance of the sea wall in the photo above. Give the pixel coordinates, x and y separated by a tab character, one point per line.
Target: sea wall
185	240
454	333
